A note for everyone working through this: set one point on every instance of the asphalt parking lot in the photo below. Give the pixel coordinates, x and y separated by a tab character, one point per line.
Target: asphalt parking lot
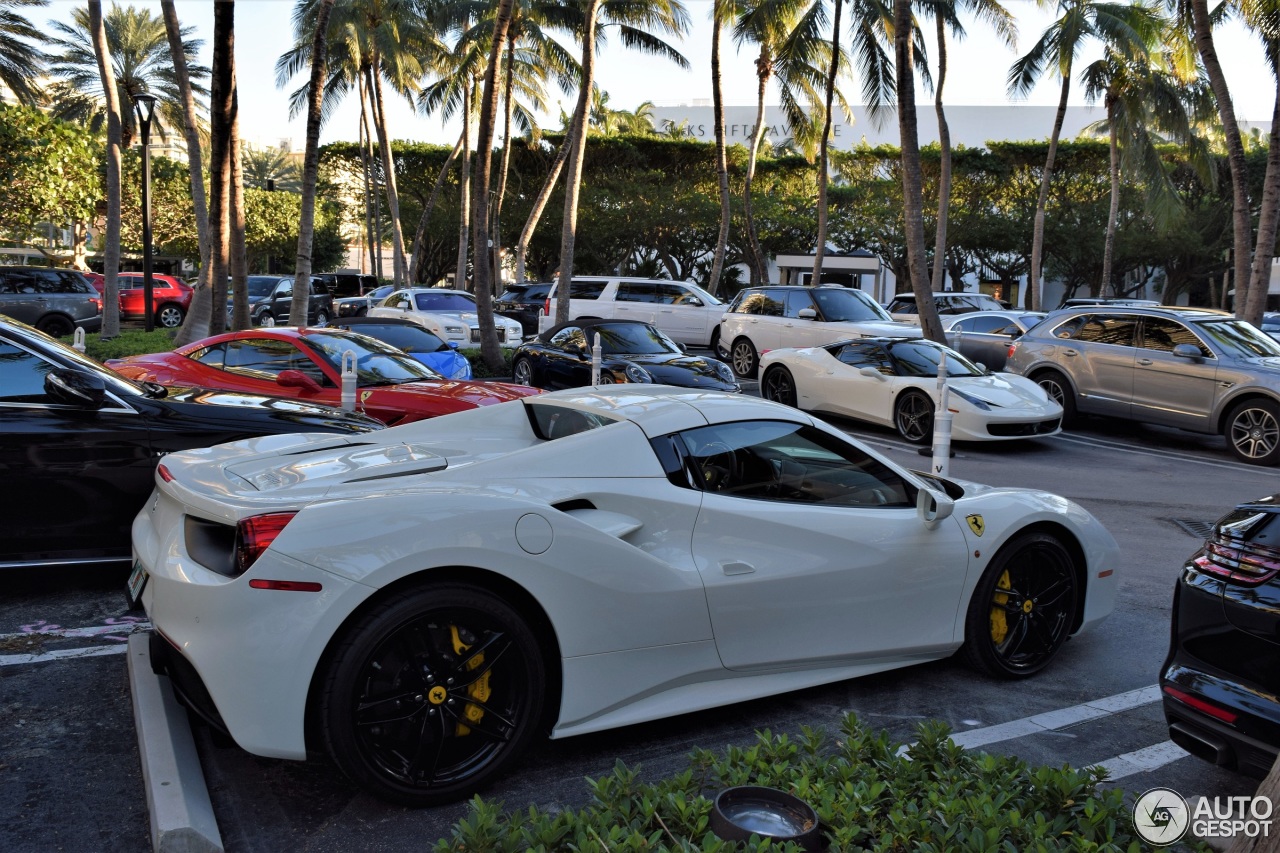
69	766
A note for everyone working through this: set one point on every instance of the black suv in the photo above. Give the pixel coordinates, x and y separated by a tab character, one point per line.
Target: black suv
1222	676
524	302
343	284
271	298
56	302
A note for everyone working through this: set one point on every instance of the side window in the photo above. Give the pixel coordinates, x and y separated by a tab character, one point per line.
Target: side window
866	355
638	291
265	359
1163	335
8	281
22	281
49	281
22	375
73	282
579	289
798	300
674	294
210	356
1109	329
570	337
763	303
789	463
983	324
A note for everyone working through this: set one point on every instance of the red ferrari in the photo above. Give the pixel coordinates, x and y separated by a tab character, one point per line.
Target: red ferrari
306	364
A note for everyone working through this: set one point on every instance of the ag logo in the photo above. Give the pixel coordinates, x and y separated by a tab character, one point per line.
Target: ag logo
1161	816
976	524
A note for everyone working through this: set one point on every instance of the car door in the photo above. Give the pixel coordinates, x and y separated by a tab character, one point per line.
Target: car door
564	366
637	300
1098	353
802	332
811	550
255	365
981	336
68	472
682	314
1172	389
845	390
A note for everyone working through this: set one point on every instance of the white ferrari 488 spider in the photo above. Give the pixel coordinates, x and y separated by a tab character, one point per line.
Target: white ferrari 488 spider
420	602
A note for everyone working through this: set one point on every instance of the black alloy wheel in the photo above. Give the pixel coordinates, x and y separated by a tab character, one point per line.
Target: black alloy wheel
779	386
1253	432
432	694
913	417
1023	608
56	326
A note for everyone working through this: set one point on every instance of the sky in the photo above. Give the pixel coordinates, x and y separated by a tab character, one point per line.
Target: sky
978	66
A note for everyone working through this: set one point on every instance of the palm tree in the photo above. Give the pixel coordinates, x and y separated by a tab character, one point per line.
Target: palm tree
221	106
271	169
310	171
1126	28
830	91
722	11
21	64
96	32
142	61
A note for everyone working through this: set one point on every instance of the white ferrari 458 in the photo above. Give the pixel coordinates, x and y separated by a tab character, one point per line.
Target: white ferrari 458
894	382
420	602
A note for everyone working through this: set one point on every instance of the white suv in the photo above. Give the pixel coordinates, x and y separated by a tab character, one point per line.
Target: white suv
761	319
683	311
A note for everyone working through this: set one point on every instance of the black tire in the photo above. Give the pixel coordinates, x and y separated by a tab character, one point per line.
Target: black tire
1023	608
522	371
266	320
56	326
1252	431
322	317
913	417
743	358
715	341
170	316
1060	391
778	385
402	710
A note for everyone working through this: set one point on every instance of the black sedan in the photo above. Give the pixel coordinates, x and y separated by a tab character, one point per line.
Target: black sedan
630	351
1221	681
79	444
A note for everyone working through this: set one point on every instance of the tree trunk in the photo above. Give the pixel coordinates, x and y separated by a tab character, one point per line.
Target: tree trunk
489	349
714	283
944	161
496	227
237	257
370	187
464	188
221	94
820	244
755	255
196	325
111	241
310	171
1268	218
1034	282
417	273
912	178
573	178
389	176
540	203
1113	212
1261	843
1240	214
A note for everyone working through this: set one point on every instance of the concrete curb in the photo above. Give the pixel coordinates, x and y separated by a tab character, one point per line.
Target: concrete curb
182	818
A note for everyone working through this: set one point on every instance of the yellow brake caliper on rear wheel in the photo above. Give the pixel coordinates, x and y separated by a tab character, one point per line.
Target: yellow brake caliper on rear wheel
1000	627
479	689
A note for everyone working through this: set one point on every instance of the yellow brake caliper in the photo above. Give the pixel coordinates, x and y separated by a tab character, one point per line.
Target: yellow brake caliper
478	690
999	627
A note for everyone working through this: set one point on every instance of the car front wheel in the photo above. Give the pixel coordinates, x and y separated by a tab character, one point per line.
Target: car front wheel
522	371
1253	432
432	694
1059	391
778	385
743	359
170	316
266	320
913	417
322	317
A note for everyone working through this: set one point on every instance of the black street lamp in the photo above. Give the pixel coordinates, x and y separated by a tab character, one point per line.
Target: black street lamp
144	105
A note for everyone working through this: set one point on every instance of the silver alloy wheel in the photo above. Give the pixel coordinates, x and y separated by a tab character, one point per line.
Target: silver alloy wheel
743	358
170	316
522	372
267	320
322	317
1254	432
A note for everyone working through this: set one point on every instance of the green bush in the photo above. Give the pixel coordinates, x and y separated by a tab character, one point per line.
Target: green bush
126	344
932	797
480	370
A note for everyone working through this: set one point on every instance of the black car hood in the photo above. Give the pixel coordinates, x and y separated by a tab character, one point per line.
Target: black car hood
275	414
686	370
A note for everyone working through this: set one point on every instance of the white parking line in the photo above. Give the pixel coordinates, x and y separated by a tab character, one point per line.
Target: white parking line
1059	719
1144	450
74	633
61	654
1142	760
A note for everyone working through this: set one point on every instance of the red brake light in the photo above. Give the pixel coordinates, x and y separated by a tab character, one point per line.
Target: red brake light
255	535
546	307
1250	566
164	474
1201	705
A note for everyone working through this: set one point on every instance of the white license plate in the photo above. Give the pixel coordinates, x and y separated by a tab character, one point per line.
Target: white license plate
137	582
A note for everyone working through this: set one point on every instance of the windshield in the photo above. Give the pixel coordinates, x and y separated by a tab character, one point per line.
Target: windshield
707	298
840	304
631	339
376	363
920	358
407	338
443	302
1239	339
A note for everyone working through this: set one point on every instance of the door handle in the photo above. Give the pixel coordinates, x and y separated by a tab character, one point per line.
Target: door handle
1145	362
735	567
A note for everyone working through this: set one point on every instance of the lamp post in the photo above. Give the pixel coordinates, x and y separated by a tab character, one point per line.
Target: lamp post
144	105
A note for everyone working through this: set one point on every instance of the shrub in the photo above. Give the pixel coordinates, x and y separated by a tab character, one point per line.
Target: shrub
480	370
126	344
869	794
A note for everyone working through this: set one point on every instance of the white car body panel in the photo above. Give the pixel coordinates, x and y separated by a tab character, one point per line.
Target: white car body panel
460	327
683	322
647	620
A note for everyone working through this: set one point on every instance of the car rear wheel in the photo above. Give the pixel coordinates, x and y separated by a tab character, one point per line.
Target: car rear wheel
56	326
1059	391
1253	432
913	417
432	694
778	385
522	371
743	359
322	317
1023	608
170	316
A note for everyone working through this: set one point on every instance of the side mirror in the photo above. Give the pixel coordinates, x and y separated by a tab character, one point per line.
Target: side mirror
283	291
452	344
1188	351
982	368
402	305
807	314
75	388
694	301
933	507
872	373
297	379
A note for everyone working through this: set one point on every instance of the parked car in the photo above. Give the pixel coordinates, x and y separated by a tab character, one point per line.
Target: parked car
894	382
55	301
1271	324
449	314
80	445
358	306
271	300
588	559
344	284
630	351
903	305
1221	680
1192	368
413	340
1077	301
306	364
525	302
170	298
683	311
984	336
768	318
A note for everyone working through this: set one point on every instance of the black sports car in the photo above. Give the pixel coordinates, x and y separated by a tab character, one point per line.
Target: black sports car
79	445
1221	681
630	351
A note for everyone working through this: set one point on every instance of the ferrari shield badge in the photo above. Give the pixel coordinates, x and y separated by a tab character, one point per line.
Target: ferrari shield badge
976	524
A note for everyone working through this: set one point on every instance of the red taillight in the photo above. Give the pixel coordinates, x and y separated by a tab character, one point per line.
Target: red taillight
1013	345
97	303
1243	565
165	474
1202	705
286	586
255	535
546	307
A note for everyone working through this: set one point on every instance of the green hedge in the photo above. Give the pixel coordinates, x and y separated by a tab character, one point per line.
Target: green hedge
932	797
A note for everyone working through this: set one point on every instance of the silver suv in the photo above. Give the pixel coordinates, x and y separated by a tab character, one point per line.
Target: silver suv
55	301
1192	368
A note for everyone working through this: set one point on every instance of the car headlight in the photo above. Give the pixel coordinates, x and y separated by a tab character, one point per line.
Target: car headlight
636	373
455	330
972	400
725	373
